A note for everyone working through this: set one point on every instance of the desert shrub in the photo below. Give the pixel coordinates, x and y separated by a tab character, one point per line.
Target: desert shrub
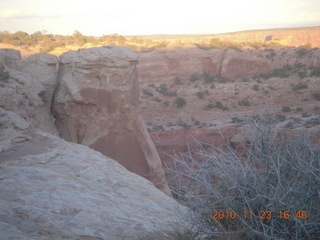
147	92
180	102
316	96
201	94
302	74
236	120
280	117
177	80
269	191
245	80
301	52
224	80
220	105
207	77
316	72
156	99
166	103
4	75
244	102
282	72
164	90
305	114
286	109
299	109
183	124
194	77
299	86
256	87
209	106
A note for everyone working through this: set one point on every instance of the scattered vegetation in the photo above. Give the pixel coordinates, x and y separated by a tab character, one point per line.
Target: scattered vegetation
256	87
180	102
244	102
194	77
282	72
164	90
147	93
316	72
177	80
286	109
316	96
269	191
299	86
202	94
207	77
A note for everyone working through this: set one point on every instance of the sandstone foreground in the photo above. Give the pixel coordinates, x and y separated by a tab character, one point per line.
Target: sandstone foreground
53	189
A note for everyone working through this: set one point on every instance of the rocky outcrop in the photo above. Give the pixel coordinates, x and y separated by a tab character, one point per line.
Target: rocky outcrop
29	89
239	64
164	65
53	189
97	105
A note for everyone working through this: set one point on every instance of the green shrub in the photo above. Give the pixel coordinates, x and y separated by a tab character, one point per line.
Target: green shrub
177	80
209	106
316	72
299	86
147	93
207	77
180	102
166	103
256	87
268	191
164	90
286	109
244	102
280	117
245	80
219	105
316	96
194	77
299	109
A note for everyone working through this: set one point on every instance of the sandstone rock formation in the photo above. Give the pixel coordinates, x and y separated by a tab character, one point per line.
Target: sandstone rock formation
164	65
97	104
53	189
30	88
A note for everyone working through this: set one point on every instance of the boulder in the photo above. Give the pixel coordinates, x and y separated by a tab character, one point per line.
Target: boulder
53	189
32	82
96	104
247	63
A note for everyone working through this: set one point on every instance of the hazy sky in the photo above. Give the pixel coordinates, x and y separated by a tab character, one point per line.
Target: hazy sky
137	17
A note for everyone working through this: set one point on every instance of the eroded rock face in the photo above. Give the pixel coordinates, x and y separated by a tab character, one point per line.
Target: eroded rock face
29	89
97	105
53	189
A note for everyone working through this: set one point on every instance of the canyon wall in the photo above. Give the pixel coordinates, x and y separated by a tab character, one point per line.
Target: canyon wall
164	65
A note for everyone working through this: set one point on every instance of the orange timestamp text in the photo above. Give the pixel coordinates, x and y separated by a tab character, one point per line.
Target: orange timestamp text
262	214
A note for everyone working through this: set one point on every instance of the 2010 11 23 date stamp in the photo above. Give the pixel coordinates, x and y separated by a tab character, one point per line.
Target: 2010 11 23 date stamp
283	214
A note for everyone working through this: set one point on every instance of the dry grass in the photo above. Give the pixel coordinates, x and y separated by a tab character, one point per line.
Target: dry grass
277	172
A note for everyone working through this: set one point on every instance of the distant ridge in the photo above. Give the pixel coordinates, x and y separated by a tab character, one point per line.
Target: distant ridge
295	37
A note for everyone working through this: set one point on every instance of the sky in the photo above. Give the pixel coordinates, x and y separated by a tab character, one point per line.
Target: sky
144	17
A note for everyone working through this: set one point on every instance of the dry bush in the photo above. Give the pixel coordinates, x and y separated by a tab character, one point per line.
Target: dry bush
279	171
